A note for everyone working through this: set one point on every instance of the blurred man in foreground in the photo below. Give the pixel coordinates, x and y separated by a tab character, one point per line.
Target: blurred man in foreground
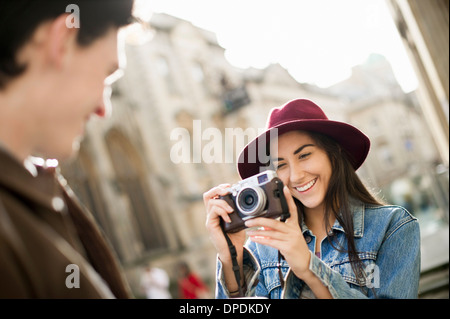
56	60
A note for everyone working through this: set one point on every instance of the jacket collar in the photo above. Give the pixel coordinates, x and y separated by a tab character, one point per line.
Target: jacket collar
357	208
29	181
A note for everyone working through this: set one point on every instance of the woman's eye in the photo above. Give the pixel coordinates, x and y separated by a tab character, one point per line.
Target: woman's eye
303	156
278	166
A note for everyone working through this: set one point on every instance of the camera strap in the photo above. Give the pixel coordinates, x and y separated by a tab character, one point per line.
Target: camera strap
283	218
236	269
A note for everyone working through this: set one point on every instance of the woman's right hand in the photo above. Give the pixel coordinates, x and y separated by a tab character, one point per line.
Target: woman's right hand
216	209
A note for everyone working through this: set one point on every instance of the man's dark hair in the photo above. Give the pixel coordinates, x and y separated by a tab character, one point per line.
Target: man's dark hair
20	18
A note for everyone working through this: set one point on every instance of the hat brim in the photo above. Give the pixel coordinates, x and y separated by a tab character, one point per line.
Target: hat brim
351	139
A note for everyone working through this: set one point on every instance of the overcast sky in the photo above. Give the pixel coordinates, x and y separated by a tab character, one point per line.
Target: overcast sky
317	41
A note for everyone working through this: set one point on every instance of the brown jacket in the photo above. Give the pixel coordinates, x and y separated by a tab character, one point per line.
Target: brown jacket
50	246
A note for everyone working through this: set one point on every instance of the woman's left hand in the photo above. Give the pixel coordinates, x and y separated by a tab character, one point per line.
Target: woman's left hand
287	237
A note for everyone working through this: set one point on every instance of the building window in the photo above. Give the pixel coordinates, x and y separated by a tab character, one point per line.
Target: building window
130	175
164	70
375	128
197	73
385	156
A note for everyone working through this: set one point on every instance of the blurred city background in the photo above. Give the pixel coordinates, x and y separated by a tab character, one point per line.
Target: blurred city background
177	72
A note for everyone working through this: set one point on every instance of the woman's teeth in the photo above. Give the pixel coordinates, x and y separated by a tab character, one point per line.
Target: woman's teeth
307	186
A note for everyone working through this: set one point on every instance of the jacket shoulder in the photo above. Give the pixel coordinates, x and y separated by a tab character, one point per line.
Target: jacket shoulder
393	216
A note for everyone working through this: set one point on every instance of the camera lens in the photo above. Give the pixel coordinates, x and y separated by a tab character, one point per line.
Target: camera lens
251	201
247	199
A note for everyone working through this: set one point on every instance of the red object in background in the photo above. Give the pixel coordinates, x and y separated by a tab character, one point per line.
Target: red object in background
192	287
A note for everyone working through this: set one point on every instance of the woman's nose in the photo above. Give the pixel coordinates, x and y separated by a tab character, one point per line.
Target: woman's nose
296	174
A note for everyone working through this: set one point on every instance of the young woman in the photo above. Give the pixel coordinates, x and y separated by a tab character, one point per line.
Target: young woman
339	242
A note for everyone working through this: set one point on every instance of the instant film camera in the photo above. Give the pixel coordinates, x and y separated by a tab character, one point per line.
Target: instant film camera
260	195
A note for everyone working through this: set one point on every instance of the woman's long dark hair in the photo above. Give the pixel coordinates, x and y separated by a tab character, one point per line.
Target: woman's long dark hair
344	184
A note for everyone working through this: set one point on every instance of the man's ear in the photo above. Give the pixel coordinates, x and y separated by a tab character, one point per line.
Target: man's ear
51	44
61	41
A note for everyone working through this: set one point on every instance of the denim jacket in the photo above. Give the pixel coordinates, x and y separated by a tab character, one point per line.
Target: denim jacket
387	239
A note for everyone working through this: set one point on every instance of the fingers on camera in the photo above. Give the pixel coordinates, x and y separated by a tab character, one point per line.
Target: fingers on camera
222	209
215	192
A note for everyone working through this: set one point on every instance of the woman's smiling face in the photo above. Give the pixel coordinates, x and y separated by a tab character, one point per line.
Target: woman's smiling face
303	166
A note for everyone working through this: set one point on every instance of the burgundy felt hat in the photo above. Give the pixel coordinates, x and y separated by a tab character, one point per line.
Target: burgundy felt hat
304	115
